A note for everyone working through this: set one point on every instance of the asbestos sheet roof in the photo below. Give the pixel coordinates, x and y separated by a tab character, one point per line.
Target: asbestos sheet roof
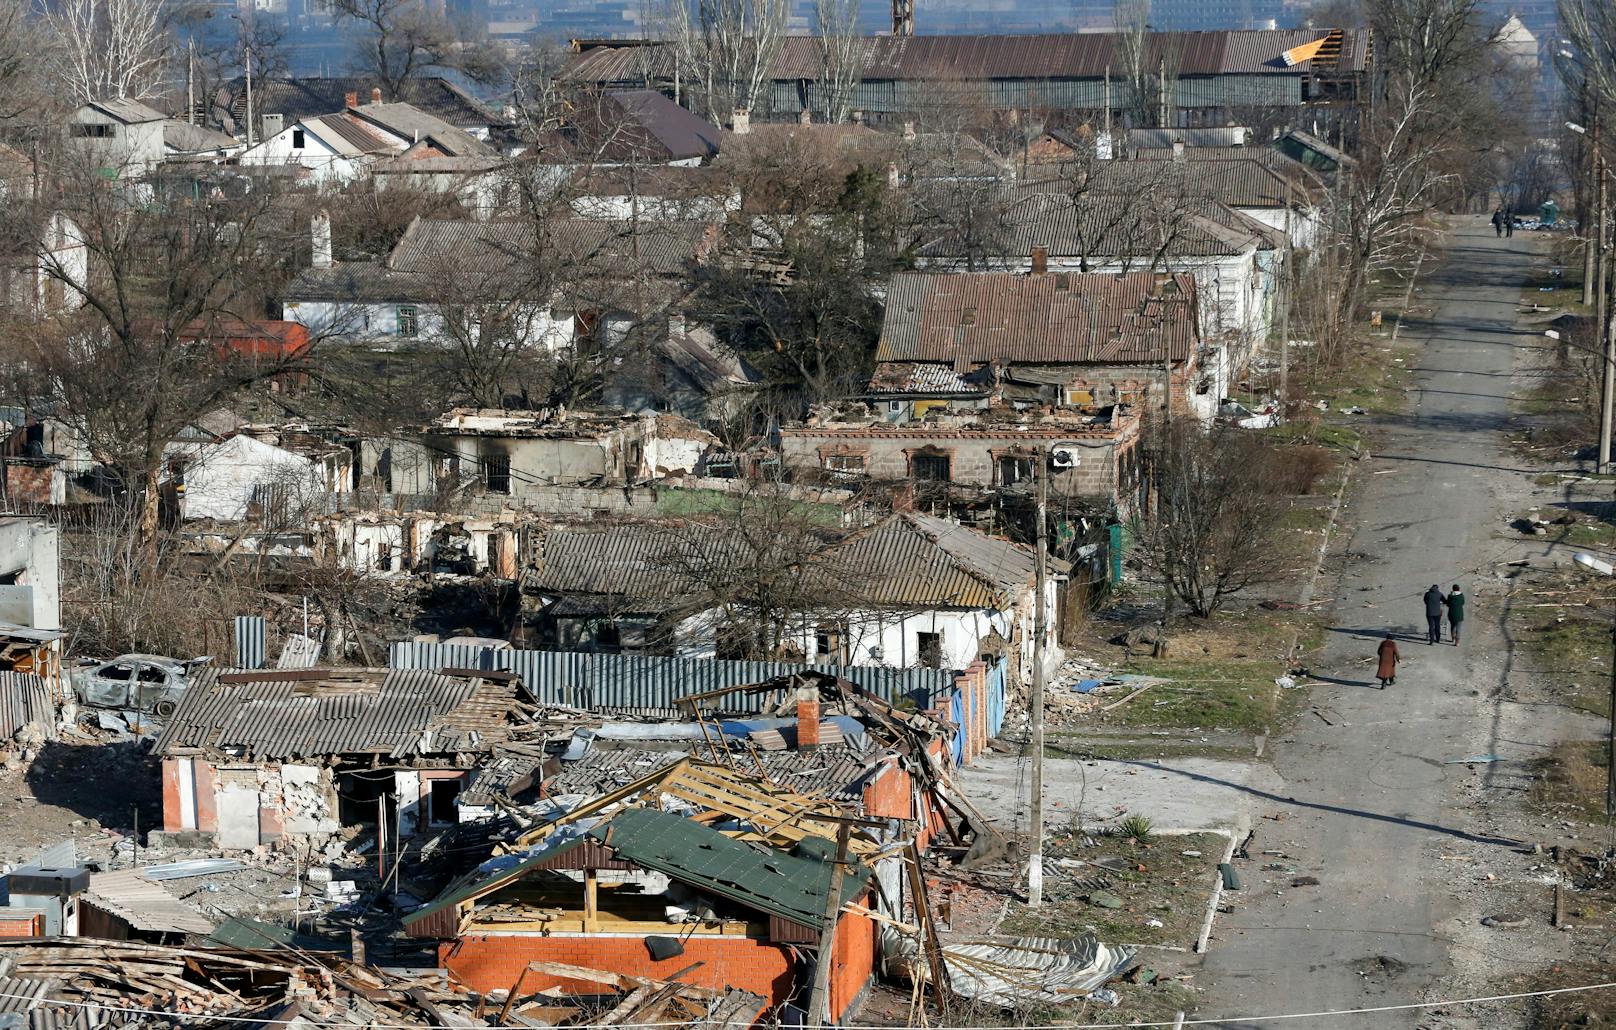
143	904
790	885
129	112
348	136
1002	317
432	245
908	560
417	126
275	714
195	139
1086	55
308	96
928	377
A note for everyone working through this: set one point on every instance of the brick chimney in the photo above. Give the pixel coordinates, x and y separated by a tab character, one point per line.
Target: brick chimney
805	117
375	94
740	121
807	718
1178	150
350	99
1040	260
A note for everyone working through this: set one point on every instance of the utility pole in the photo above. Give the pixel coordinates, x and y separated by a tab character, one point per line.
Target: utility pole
247	56
1607	391
1040	622
1587	233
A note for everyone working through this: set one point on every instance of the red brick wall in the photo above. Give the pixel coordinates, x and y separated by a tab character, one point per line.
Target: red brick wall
32	925
852	960
487	963
889	794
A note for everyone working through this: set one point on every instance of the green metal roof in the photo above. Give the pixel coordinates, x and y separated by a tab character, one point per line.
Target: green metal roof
787	885
256	935
791	886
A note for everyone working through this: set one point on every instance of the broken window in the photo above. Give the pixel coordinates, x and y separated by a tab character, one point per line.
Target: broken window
408	322
932	467
828	642
929	647
441	809
1014	468
845	466
384	557
497	473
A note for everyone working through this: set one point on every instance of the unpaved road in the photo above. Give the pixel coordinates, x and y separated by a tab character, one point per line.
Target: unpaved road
1374	804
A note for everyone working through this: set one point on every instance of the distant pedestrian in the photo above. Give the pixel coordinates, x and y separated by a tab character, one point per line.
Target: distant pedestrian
1498	222
1509	223
1456	612
1386	672
1433	614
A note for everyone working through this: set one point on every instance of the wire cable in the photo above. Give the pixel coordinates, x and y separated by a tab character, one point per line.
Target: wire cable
1220	1021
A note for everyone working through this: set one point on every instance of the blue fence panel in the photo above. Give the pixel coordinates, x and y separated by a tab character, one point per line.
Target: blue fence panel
996	697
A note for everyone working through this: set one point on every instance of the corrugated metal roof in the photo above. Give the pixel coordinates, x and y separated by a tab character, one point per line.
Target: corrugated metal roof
396	712
1085	55
1059	317
144	905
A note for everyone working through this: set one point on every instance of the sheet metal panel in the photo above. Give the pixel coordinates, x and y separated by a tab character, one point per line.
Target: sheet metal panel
250	634
646	684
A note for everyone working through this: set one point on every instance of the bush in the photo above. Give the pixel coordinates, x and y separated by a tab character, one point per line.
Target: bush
1298	468
1135	826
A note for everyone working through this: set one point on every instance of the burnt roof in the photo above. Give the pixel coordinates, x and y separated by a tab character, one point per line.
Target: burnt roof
1002	317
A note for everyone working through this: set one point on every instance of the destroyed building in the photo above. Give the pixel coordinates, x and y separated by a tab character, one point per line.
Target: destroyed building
260	756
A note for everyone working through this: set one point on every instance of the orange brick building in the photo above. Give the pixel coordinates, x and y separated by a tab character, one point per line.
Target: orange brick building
743	916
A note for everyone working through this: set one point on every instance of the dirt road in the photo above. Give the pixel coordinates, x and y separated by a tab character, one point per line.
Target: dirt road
1374	804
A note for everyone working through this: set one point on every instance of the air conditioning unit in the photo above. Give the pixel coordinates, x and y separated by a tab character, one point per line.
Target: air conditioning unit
1064	456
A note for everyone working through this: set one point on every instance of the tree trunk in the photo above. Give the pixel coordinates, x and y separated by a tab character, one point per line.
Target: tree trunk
149	507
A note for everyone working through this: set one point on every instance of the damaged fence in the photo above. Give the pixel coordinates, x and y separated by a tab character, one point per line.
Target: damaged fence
650	686
25	698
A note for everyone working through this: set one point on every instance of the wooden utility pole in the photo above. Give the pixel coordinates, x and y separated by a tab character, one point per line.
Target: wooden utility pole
1607	391
819	1001
1589	245
1040	622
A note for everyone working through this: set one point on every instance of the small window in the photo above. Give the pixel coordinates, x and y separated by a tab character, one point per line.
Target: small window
408	325
497	473
844	466
384	557
929	646
932	467
299	140
828	642
95	131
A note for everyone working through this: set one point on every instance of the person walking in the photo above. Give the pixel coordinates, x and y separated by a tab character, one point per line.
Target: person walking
1456	612
1433	614
1498	222
1386	672
1509	222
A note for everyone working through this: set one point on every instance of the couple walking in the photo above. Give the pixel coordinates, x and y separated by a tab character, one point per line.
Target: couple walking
1454	602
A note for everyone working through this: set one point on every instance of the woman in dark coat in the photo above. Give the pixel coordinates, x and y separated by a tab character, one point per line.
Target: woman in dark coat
1387	671
1456	611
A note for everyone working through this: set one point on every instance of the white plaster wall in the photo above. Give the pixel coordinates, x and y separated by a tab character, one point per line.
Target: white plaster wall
30	549
309	800
220	478
326	165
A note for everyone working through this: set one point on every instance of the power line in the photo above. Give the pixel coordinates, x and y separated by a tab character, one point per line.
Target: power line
1220	1021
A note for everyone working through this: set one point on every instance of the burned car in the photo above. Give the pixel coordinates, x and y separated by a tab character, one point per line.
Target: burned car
135	683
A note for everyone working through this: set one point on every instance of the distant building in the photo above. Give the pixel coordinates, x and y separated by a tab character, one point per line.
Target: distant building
124	137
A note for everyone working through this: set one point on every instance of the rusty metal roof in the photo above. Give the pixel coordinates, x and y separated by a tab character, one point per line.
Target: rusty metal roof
1085	55
271	714
1003	317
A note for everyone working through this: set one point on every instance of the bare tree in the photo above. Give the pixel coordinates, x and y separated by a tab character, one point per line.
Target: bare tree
134	363
841	55
23	54
103	49
405	39
728	48
1215	528
1149	66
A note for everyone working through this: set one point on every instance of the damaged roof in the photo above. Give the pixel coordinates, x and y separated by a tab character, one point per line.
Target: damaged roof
279	714
790	884
143	903
982	317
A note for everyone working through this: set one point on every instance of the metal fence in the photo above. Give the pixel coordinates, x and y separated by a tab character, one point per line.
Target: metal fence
649	685
25	698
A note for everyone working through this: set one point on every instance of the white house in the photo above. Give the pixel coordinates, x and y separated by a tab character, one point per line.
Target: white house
913	590
122	136
339	148
241	477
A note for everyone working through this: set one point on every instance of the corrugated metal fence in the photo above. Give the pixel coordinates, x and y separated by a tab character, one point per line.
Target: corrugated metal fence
25	698
250	642
649	685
